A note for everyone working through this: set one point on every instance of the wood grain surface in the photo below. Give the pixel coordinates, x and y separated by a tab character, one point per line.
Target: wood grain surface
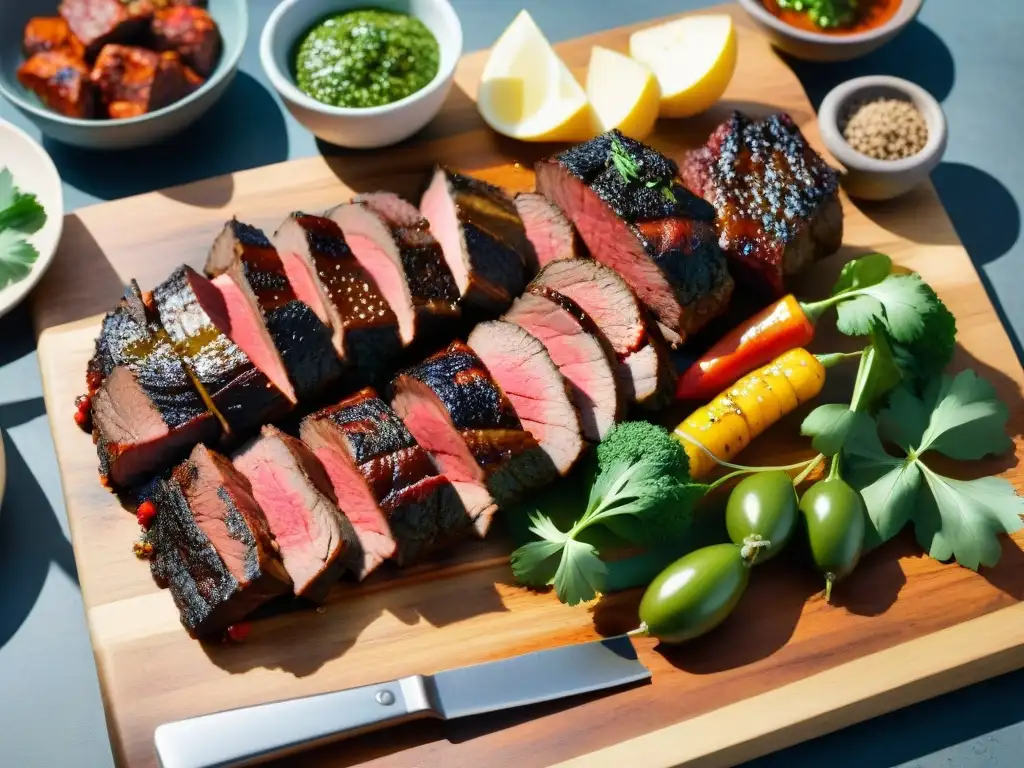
786	666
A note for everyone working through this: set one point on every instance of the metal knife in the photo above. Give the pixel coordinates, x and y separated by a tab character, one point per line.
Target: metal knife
253	735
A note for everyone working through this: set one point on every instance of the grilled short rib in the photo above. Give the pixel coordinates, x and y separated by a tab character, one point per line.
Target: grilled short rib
212	545
645	225
246	269
482	237
385	483
61	81
392	241
192	33
460	415
315	539
550	232
777	200
146	412
99	22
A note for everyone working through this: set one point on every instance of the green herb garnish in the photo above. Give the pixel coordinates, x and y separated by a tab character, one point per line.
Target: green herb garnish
629	170
20	215
827	14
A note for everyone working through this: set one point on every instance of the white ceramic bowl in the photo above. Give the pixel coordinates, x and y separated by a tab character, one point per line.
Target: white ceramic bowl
359	128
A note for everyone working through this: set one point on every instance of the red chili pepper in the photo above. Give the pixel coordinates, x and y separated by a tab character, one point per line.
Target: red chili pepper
145	513
238	632
778	328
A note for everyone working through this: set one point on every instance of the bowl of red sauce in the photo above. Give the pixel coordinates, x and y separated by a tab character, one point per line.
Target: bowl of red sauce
831	30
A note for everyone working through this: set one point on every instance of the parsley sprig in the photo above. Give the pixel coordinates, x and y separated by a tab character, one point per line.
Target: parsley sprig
20	215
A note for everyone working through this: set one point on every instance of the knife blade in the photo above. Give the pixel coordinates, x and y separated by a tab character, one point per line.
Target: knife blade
251	735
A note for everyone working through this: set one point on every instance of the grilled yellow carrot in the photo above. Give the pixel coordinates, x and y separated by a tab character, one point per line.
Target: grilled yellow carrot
746	409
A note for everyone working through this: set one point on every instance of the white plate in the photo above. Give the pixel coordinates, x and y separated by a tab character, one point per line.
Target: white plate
33	172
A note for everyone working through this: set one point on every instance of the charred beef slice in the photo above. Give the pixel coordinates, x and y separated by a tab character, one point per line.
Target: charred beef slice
574	343
482	237
326	276
536	388
146	412
248	272
133	81
242	396
192	33
61	81
384	481
316	541
656	234
393	243
459	414
212	545
552	235
99	22
585	287
776	199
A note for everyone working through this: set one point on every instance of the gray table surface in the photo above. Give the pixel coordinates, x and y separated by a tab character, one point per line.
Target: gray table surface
972	60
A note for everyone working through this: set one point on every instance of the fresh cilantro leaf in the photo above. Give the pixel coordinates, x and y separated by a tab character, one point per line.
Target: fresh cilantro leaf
829	426
899	301
890	500
904	419
535	563
25	215
17	256
926	357
860	273
968	420
8	193
580	576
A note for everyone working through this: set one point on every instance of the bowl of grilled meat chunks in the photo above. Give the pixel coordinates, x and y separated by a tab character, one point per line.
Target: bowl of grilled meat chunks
116	74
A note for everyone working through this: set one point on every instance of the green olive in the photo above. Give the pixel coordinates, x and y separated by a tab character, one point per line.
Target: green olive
762	508
834	514
695	593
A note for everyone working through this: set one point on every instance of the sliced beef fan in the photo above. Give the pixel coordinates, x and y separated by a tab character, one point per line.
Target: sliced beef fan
649	229
458	413
212	546
551	233
392	242
326	276
316	540
242	395
537	390
146	412
483	239
247	271
777	199
385	483
643	368
574	343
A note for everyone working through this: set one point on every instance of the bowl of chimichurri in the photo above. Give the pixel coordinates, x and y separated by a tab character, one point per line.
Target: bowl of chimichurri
360	75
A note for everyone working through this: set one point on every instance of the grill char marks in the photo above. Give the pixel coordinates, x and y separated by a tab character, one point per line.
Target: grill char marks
457	412
651	230
392	242
552	235
315	539
777	200
483	240
146	412
243	261
384	481
325	275
241	394
212	546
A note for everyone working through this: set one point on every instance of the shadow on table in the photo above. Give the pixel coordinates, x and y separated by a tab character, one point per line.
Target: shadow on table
245	129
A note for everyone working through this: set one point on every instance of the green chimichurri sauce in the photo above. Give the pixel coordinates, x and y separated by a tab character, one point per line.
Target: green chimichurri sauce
366	58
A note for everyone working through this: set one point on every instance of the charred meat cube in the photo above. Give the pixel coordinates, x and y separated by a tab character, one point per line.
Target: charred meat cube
50	33
133	81
61	82
98	22
190	32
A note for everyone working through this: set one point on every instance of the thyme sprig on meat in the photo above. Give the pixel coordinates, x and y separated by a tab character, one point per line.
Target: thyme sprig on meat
629	170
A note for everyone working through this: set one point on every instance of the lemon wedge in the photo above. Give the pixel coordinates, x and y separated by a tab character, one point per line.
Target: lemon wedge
527	92
693	58
623	94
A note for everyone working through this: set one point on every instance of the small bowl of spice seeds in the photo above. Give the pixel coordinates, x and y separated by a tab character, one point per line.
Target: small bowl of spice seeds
888	133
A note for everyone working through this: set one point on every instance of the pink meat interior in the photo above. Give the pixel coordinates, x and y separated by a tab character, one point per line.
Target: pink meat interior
374	249
290	241
438	208
546	227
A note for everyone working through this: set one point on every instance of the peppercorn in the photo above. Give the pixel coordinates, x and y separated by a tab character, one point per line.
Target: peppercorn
885	128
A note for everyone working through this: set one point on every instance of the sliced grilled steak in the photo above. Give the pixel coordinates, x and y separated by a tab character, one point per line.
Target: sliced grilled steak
777	200
657	235
242	395
146	412
574	342
551	233
326	276
385	483
457	412
212	546
246	270
392	242
533	384
316	540
643	368
483	239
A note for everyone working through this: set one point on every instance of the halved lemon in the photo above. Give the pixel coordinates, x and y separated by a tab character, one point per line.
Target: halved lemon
623	94
693	58
527	92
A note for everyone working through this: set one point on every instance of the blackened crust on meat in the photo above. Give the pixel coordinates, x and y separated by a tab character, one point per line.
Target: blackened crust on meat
512	460
776	199
370	427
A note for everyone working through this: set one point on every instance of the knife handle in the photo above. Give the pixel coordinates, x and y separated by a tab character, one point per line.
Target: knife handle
251	735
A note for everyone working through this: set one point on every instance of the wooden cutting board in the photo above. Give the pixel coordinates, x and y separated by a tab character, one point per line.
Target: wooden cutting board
785	667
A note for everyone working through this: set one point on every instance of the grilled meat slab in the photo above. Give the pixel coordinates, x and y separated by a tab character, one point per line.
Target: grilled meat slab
61	81
190	32
552	235
776	199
